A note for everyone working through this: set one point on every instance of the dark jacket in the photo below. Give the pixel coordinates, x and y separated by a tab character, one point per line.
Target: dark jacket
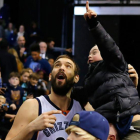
109	88
8	64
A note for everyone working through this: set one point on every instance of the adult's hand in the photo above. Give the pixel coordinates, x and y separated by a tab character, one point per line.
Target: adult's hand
45	120
89	13
133	74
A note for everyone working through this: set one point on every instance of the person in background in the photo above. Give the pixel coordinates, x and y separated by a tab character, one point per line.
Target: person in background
22	32
9	30
54	52
19	63
34	33
51	62
30	70
24	79
7	61
43	50
14	92
32	85
21	49
35	62
42	83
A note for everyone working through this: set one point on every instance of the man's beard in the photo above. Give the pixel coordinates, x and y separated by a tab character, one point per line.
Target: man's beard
64	89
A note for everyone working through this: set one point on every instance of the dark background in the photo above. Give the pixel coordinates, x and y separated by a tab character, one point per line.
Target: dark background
55	19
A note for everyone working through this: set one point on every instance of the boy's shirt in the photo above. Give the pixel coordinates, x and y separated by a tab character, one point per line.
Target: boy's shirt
41	64
14	95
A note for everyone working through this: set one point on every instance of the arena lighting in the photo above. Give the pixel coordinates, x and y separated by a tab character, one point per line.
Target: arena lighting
114	10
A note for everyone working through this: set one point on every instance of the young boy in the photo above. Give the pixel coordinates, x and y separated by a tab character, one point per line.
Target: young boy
14	92
35	62
32	85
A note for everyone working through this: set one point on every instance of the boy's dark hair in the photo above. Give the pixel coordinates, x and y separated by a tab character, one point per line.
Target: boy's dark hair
66	56
34	76
35	48
3	44
14	74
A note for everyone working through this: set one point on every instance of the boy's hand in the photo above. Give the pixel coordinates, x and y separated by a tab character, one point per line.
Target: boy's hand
89	13
13	106
133	74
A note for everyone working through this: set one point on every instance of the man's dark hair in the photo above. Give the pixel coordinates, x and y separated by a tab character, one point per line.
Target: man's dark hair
3	44
14	74
49	40
35	48
66	56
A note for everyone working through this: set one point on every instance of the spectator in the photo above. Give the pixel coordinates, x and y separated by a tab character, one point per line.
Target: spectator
42	83
7	61
88	125
32	85
43	50
51	62
21	49
24	79
54	52
14	92
19	63
35	62
34	33
12	39
30	70
9	30
22	32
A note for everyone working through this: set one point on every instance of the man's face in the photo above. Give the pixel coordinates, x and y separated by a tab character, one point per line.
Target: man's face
21	41
94	55
14	81
63	77
43	47
35	55
51	44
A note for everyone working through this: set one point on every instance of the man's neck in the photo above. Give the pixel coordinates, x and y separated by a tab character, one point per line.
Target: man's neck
63	102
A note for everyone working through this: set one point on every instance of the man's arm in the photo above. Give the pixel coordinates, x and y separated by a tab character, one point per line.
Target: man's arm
27	121
107	46
21	129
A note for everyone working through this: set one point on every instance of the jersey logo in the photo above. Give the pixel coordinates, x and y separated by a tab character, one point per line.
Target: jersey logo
57	127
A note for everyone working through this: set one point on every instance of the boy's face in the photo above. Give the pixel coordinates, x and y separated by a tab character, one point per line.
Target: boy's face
35	55
41	74
33	81
14	81
94	55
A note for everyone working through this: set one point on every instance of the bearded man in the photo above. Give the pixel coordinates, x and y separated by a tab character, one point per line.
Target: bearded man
49	116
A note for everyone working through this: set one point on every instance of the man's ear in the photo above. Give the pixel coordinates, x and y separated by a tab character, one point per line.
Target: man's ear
76	79
50	77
